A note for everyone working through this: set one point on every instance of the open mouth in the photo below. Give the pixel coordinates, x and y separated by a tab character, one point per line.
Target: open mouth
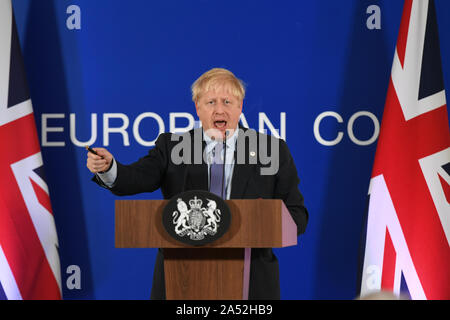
220	124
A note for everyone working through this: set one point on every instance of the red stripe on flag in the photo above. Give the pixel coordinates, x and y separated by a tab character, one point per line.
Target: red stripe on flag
18	237
446	188
42	196
403	32
389	260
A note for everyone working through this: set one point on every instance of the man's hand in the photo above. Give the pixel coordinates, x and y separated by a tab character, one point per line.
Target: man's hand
101	162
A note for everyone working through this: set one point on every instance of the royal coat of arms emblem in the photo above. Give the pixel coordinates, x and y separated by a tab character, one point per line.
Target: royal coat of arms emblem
196	221
198	217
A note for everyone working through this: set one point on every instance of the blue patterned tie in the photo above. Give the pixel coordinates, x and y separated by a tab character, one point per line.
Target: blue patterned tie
216	175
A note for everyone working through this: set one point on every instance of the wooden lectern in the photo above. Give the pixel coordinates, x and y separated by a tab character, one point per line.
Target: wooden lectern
219	270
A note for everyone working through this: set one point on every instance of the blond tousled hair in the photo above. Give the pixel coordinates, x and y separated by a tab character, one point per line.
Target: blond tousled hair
218	78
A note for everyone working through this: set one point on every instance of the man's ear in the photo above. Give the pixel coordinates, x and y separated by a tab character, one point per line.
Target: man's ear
196	106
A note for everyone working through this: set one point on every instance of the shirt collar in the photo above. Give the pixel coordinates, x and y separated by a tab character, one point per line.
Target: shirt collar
231	141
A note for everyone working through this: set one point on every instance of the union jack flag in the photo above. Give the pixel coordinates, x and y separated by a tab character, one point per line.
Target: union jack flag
29	260
408	224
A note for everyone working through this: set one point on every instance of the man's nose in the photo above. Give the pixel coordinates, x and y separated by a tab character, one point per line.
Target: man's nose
220	107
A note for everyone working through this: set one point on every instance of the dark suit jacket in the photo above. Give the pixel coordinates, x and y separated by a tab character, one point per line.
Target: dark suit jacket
156	170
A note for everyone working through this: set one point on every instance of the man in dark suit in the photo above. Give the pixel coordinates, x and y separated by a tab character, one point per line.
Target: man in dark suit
256	166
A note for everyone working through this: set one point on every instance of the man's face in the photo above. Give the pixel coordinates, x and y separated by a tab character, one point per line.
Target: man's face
219	109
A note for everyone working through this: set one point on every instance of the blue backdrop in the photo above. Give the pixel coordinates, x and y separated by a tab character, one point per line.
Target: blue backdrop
112	60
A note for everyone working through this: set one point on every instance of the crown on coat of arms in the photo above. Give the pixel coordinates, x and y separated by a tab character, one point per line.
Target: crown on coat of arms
196	203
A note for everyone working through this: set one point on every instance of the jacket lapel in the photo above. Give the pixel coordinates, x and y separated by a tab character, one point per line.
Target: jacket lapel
197	172
241	172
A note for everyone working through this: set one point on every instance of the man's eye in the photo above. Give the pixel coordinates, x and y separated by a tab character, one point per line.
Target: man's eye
210	102
227	102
